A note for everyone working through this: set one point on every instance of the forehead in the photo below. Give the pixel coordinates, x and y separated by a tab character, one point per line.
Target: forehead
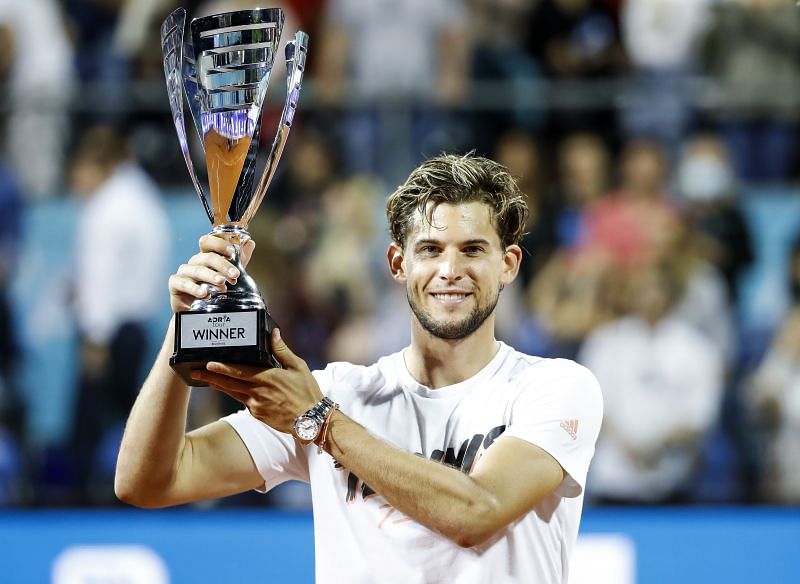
471	220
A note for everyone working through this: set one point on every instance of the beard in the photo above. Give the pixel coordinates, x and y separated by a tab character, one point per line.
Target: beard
452	331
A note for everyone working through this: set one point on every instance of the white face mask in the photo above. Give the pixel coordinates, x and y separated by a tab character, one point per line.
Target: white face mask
705	178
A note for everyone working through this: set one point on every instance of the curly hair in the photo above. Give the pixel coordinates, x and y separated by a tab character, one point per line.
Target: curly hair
456	179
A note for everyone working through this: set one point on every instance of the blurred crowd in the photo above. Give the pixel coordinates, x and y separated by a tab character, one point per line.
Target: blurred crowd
634	128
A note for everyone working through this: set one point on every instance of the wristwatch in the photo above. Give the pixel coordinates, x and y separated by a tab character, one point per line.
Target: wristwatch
307	426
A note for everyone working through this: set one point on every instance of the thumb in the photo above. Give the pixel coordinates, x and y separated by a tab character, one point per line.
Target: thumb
282	351
247	251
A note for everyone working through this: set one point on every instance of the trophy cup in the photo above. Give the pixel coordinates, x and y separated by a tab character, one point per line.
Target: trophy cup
224	71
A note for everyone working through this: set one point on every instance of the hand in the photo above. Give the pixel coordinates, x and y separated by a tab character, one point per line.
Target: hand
207	270
274	396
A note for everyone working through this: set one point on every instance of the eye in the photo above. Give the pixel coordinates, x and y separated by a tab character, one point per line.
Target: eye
428	250
473	250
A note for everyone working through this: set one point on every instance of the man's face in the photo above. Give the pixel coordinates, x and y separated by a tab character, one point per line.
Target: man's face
453	269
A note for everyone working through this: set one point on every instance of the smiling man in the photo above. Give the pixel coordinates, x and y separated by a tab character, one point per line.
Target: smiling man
457	459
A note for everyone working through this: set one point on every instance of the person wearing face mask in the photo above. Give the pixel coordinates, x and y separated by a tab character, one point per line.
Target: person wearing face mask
707	185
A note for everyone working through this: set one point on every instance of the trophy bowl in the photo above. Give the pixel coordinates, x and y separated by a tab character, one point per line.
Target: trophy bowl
223	69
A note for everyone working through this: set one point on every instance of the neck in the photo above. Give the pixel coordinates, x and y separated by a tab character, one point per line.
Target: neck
436	362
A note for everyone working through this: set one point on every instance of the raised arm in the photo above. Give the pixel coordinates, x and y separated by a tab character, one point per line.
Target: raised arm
159	464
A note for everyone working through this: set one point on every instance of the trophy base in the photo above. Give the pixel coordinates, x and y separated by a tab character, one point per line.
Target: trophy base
239	337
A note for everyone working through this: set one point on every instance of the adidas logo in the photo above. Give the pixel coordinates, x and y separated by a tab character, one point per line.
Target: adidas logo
571	426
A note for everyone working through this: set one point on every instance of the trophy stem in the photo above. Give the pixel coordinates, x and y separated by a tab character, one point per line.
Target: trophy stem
244	293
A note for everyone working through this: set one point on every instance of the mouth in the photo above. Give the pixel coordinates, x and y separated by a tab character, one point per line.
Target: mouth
450	297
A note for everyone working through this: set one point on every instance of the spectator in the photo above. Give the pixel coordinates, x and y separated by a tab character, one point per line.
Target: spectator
120	252
574	41
502	69
583	162
382	53
751	52
518	151
661	42
572	295
704	303
708	188
774	399
288	228
338	272
663	382
40	84
635	223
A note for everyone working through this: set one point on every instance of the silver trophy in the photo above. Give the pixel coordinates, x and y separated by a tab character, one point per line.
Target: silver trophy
224	71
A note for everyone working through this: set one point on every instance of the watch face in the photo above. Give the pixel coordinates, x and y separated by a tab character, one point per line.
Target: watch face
306	428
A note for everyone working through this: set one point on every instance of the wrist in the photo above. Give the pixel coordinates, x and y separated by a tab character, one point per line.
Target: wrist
308	427
325	431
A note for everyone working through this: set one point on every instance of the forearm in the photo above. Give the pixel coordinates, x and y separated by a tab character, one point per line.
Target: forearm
154	435
435	495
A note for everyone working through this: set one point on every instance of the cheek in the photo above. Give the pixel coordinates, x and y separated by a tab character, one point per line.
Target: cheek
419	275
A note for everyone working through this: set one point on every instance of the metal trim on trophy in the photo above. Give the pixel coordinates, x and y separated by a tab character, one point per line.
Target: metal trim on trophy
224	71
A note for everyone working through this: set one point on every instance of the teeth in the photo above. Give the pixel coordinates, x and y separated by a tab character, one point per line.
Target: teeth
448	297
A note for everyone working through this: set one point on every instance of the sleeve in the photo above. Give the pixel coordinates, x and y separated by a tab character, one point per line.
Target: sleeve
560	411
278	457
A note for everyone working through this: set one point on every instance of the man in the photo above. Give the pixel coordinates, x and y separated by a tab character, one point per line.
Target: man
457	459
120	252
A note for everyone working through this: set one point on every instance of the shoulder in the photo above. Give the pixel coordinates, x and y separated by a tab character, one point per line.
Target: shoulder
551	381
342	378
531	370
558	373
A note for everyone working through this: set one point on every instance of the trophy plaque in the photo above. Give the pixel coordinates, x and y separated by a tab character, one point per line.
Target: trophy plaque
224	69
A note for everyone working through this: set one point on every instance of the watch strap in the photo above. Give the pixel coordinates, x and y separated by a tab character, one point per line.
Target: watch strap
324	432
319	412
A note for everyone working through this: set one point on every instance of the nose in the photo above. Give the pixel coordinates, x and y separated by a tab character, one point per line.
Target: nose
451	266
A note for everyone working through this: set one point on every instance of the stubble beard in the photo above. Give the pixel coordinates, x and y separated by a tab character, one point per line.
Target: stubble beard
453	331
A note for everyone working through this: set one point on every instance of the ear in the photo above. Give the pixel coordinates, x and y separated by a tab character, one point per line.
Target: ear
512	258
397	264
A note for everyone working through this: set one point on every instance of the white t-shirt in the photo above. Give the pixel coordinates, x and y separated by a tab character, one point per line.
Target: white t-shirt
553	403
667	385
121	248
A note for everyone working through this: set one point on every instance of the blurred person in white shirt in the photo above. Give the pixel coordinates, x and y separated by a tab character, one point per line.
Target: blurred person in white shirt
121	249
663	382
40	85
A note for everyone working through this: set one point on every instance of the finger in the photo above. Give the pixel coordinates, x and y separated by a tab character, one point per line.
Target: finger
242	398
248	247
221	382
216	263
202	274
215	243
240	372
179	285
282	352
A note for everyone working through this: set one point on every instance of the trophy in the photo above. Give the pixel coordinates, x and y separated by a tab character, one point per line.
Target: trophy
224	71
